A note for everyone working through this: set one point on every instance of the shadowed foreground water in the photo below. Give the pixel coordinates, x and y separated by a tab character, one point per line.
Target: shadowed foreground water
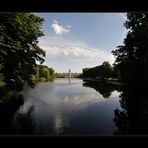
67	107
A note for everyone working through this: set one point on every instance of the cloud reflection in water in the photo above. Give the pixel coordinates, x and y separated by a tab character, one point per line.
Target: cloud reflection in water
56	105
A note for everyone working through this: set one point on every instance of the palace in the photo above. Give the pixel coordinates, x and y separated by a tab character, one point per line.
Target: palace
69	74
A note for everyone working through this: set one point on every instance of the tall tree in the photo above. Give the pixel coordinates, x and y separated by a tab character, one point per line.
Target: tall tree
106	70
19	48
103	71
132	63
132	56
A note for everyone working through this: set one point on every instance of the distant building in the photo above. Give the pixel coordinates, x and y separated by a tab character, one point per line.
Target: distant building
69	74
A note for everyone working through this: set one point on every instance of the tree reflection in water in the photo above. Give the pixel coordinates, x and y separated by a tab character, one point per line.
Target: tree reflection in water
104	88
10	101
22	122
133	118
12	120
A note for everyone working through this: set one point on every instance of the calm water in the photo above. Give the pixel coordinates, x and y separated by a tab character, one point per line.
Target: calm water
67	107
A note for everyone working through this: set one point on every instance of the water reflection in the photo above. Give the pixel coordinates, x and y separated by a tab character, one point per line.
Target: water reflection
74	107
67	107
10	101
69	80
104	88
22	121
133	117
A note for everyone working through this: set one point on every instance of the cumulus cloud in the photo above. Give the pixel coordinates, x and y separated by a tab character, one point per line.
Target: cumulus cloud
55	46
58	29
76	51
64	53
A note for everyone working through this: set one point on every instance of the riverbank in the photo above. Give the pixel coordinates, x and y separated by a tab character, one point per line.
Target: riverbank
108	80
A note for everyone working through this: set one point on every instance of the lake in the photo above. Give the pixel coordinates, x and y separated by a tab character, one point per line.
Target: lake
68	107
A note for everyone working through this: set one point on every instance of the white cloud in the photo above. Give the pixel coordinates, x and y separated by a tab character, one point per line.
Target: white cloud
63	54
58	29
55	22
56	46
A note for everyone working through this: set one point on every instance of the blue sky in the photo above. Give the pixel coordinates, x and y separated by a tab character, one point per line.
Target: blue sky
78	40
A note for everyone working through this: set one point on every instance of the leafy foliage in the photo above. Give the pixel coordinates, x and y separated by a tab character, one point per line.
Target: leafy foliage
103	71
43	73
19	48
132	57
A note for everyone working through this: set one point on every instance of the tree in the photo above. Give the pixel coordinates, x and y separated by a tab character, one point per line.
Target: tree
131	62
103	71
43	73
132	56
51	71
106	70
19	48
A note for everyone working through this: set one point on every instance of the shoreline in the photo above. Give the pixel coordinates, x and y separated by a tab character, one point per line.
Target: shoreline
115	82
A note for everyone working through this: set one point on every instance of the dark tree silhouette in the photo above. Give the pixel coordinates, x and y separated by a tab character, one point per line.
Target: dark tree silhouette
19	48
102	71
131	63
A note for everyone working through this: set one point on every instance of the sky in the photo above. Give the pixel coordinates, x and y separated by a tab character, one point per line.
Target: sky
79	40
